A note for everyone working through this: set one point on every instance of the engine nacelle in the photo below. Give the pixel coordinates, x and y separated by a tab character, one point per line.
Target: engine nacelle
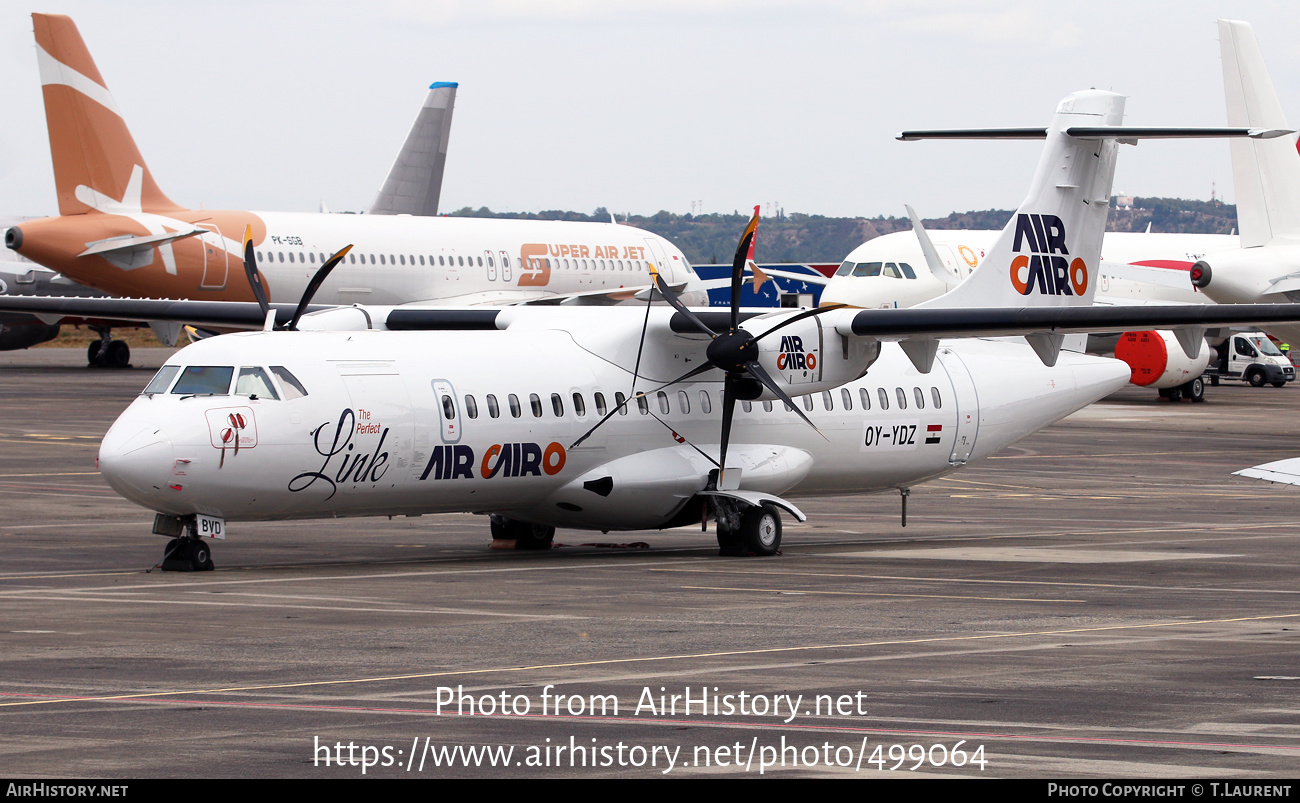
807	357
1158	361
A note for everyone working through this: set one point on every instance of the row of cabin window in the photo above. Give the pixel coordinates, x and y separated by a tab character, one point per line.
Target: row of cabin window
663	402
401	259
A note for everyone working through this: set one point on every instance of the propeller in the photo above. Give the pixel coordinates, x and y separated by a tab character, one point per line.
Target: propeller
734	352
259	289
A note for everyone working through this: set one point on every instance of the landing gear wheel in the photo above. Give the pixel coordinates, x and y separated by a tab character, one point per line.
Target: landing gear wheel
760	530
730	545
524	534
1172	394
118	356
200	556
92	353
1195	390
1256	378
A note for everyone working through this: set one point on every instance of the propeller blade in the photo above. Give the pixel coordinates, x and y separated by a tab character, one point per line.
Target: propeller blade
254	276
796	318
760	373
314	285
677	436
728	410
671	298
743	251
699	369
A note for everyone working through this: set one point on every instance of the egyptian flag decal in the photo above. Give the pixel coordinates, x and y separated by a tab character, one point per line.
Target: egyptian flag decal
932	433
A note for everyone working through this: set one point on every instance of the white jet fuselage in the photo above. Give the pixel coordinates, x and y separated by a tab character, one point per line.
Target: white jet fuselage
397	423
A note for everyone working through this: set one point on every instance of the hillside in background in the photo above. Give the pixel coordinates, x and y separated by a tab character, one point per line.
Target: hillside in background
796	237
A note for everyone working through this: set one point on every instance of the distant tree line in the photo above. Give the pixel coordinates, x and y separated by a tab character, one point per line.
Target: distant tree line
797	237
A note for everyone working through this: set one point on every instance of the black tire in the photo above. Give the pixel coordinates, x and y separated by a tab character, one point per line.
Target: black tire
524	534
1195	390
1255	378
1214	380
118	356
1281	383
200	556
730	545
760	530
1175	394
93	356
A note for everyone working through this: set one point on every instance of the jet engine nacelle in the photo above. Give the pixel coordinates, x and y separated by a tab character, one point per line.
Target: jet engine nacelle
1248	275
1158	361
806	357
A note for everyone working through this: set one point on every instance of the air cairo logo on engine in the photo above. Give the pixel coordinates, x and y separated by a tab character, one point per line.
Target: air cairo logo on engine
1048	269
793	357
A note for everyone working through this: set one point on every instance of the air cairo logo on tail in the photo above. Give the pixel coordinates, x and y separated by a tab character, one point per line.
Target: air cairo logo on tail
1047	269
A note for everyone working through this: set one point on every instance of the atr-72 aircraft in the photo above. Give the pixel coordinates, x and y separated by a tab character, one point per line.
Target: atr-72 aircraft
116	231
616	418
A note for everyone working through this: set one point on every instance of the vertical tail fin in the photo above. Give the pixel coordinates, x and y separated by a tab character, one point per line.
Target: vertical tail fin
1048	254
414	182
1266	174
97	165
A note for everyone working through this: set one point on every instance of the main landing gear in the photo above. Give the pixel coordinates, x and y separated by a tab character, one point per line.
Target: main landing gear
747	530
522	533
106	352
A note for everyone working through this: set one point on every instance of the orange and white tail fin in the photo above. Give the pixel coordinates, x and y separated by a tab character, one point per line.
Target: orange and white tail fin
97	166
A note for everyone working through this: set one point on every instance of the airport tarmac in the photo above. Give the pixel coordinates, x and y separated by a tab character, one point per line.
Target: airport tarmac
1103	600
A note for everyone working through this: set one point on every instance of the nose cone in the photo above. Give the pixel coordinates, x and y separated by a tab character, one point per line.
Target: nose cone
136	459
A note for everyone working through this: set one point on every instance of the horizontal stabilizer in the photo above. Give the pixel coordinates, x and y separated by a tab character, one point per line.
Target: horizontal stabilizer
1125	133
1286	471
132	243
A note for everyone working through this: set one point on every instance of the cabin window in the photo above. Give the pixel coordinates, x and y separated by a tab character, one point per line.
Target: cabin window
161	380
828	401
441	262
281	253
557	405
403	258
807	402
311	258
205	380
920	398
535	402
643	405
471	407
448	408
372	259
902	398
289	384
515	409
352	259
493	410
600	405
864	396
255	384
684	402
579	406
934	396
291	256
846	398
746	406
663	402
491	264
706	404
381	260
767	406
883	395
422	260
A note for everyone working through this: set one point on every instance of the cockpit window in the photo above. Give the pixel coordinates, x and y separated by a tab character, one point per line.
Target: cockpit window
204	380
845	269
907	270
293	389
868	269
254	383
892	271
161	380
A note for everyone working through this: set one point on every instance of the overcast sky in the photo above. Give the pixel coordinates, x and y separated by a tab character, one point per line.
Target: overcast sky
636	106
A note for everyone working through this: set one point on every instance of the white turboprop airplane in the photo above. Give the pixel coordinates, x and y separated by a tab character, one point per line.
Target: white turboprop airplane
119	233
1267	180
617	418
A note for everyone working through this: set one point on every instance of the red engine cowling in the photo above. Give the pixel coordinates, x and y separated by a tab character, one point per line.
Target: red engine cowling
1157	360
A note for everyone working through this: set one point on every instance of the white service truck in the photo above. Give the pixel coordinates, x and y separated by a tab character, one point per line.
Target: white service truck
1251	357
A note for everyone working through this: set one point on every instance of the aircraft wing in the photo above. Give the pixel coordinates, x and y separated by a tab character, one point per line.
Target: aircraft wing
1162	277
214	314
1286	471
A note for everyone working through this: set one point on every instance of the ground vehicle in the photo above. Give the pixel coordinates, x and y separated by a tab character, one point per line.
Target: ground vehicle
1250	357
